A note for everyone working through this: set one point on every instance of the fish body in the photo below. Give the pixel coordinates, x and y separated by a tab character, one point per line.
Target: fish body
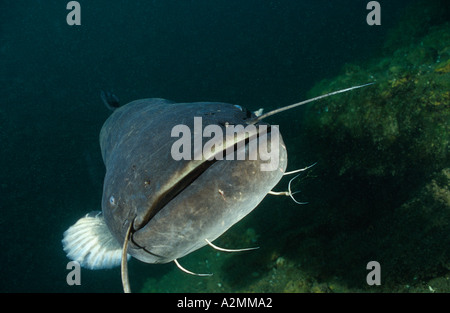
174	206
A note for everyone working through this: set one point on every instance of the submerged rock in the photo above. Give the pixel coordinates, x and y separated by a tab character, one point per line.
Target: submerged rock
384	152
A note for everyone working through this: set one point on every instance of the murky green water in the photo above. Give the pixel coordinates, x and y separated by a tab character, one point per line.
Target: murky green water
380	189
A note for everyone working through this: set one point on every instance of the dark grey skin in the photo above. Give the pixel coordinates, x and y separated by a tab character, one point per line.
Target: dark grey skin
175	205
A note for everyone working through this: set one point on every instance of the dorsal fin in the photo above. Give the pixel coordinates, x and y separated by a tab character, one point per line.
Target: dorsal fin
110	100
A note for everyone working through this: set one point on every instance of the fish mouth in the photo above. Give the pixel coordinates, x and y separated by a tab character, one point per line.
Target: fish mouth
193	169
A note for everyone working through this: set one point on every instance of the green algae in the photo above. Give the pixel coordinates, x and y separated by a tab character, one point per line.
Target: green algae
389	144
406	112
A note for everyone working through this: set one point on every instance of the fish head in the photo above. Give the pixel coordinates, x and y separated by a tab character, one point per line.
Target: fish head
184	173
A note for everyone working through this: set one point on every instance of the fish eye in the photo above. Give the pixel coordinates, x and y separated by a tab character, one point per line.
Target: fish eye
112	200
238	106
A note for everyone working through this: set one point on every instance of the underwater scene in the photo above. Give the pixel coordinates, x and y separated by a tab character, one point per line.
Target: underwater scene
370	212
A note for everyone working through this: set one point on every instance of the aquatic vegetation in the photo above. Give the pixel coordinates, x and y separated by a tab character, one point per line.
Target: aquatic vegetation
443	67
389	145
406	112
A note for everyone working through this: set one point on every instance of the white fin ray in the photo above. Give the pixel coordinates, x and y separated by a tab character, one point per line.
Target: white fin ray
90	243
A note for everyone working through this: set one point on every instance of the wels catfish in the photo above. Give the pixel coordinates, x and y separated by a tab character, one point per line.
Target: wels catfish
169	189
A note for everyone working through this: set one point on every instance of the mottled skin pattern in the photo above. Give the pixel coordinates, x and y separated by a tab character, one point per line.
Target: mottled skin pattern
140	171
